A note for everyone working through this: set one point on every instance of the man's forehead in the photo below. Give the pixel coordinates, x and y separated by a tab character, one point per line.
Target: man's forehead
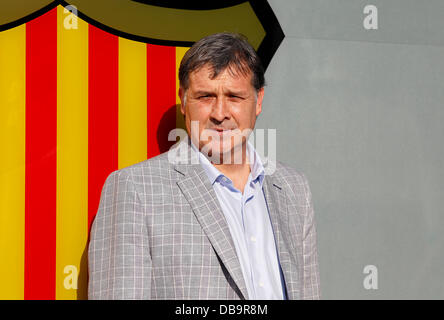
207	72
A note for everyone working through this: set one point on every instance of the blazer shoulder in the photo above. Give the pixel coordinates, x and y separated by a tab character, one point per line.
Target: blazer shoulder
157	168
156	165
289	174
295	181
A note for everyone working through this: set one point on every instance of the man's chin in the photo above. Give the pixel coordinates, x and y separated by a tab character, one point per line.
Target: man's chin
222	154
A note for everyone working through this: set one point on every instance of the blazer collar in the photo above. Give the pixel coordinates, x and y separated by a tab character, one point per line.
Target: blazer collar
276	197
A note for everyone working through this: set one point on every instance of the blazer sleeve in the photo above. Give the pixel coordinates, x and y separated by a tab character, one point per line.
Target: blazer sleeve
311	288
119	261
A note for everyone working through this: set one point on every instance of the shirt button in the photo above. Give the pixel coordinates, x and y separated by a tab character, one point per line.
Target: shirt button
261	284
253	239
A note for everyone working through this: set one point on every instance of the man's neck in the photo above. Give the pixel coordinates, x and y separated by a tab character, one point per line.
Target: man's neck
237	172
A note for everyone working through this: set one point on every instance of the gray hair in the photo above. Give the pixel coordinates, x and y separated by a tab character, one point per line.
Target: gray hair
221	51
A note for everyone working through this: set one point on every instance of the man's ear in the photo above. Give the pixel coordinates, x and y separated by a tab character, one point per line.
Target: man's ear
182	100
260	98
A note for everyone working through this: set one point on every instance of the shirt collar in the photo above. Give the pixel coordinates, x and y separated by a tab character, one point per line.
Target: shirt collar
256	166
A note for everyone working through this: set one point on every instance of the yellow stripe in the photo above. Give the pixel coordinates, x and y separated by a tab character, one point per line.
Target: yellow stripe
132	102
180	52
12	162
72	157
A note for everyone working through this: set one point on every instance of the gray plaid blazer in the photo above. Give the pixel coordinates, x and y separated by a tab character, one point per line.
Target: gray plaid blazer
160	233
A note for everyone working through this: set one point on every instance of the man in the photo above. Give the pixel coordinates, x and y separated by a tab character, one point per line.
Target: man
216	228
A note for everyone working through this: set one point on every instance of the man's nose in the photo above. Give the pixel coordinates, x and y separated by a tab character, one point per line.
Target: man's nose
220	110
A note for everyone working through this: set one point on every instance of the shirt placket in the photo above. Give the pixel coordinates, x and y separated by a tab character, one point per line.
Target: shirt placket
250	239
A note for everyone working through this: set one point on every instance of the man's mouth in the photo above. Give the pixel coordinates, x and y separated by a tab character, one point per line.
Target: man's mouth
223	132
220	129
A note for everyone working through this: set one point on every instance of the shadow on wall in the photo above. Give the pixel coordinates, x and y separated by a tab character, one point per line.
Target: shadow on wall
82	280
170	120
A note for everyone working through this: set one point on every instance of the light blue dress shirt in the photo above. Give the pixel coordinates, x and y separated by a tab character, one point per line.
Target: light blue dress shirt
250	226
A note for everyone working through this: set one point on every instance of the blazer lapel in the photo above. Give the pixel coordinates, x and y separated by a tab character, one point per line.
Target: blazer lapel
276	199
199	192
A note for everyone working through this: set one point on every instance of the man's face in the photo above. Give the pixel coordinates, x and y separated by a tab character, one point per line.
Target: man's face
224	107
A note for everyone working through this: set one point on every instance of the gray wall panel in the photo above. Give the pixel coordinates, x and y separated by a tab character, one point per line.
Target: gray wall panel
363	120
400	21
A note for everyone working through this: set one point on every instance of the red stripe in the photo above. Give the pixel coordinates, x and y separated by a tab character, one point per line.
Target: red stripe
41	144
103	113
161	100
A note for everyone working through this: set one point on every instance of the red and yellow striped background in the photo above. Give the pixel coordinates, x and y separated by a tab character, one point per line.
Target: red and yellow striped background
75	105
